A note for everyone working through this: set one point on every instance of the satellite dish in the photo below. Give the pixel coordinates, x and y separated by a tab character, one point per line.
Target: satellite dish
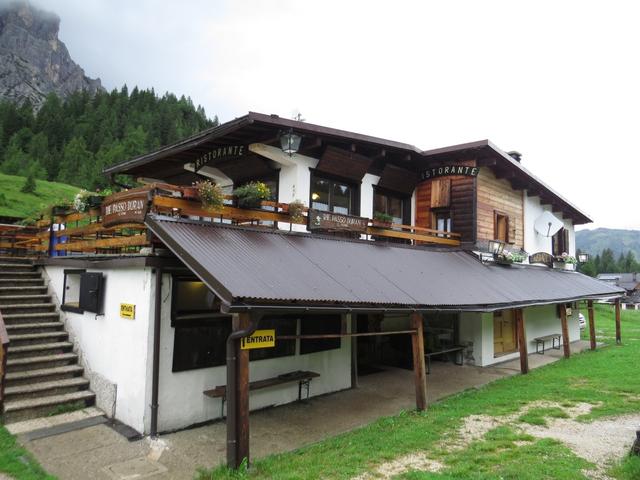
547	224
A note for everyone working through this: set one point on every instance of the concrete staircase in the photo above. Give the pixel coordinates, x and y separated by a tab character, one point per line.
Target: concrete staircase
43	375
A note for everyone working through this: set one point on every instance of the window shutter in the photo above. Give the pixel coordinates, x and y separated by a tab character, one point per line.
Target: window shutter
440	192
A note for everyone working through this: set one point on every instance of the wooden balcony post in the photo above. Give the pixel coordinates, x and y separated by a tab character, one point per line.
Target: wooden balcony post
417	342
522	341
565	330
592	325
618	333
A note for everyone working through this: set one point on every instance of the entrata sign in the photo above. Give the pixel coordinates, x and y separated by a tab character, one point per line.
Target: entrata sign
464	170
319	220
230	151
125	207
259	339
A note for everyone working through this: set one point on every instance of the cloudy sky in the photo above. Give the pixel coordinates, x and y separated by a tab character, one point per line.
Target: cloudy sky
558	81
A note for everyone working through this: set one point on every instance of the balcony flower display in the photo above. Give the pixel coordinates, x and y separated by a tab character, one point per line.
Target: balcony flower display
210	194
252	194
381	219
565	258
296	210
510	257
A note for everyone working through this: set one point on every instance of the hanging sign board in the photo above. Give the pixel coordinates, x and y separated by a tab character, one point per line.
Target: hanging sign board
465	170
542	257
125	207
128	310
259	339
329	221
229	151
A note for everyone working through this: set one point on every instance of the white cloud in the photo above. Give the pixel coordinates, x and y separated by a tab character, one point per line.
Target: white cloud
556	80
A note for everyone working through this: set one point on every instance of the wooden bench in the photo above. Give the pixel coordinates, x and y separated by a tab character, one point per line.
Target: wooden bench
457	349
302	377
541	340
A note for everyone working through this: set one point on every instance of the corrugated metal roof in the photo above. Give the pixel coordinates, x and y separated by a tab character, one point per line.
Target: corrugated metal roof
270	267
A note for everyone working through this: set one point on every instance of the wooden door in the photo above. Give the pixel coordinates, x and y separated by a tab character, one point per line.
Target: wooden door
504	333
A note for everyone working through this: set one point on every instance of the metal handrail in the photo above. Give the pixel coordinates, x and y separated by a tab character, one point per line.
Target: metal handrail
4	350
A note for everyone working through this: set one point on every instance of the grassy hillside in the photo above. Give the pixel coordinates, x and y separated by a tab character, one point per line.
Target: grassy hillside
620	241
14	203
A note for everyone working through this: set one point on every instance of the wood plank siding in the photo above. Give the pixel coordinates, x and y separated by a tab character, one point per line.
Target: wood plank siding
462	195
498	196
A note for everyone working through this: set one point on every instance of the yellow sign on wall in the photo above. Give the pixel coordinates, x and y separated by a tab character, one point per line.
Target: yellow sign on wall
128	310
259	339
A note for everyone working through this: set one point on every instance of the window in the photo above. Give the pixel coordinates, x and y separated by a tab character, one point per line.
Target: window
560	242
441	331
333	196
319	325
71	291
201	331
396	206
500	227
283	325
442	221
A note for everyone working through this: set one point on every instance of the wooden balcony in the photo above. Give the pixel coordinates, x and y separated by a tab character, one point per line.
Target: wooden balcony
84	233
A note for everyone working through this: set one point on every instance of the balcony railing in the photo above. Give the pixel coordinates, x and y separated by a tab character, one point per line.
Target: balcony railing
71	233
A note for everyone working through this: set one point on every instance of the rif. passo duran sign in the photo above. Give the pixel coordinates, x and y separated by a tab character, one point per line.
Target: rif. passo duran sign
449	170
329	221
125	207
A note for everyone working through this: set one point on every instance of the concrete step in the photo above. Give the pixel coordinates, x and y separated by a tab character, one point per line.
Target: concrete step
26	427
13	260
40	362
28	377
15	318
18	410
35	390
41	327
17	267
17	275
27	308
40	349
41	290
24	299
18	340
17	282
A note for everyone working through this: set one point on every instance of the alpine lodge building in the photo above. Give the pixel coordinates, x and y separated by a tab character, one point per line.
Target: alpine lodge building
360	253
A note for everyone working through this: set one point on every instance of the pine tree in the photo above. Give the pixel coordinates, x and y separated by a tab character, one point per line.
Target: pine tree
29	184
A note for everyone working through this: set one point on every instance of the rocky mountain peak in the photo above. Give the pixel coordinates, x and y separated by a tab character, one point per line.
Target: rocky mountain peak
33	61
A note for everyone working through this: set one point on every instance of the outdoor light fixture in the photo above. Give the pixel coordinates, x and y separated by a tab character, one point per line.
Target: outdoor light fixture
583	257
315	196
496	247
290	142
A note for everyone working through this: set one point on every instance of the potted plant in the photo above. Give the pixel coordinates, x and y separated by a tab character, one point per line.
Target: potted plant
565	258
252	194
507	257
296	211
81	201
210	194
381	219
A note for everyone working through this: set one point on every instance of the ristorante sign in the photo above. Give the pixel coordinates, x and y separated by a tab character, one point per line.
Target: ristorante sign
230	151
447	170
329	221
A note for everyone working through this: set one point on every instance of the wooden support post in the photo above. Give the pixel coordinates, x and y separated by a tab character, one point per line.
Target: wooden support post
238	396
417	341
592	325
353	317
618	333
565	330
522	341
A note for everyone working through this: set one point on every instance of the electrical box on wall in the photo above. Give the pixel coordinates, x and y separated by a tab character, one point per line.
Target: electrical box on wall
91	292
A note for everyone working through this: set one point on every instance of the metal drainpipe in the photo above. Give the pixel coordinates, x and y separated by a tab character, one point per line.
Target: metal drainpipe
232	432
155	374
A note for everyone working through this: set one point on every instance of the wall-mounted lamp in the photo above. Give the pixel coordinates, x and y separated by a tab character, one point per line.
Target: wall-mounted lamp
583	257
290	142
496	247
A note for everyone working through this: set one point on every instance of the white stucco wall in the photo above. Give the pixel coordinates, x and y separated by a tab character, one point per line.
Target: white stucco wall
535	242
182	403
366	194
539	321
295	183
114	348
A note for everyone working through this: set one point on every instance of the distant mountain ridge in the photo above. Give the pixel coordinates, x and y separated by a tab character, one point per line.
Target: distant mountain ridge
33	61
620	241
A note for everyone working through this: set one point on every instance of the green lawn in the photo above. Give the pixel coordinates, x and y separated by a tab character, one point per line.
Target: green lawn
14	203
607	378
17	462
